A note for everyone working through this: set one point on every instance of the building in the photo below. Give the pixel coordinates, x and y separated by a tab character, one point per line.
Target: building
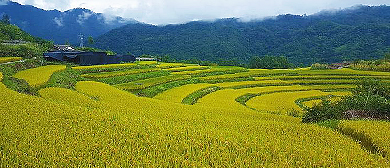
145	59
87	58
63	48
339	65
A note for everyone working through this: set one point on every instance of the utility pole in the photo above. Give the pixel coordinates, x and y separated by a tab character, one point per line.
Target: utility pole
81	40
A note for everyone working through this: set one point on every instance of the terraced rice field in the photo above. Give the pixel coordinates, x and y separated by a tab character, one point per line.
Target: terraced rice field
177	94
244	120
119	73
285	101
104	66
372	133
9	59
187	68
39	76
142	84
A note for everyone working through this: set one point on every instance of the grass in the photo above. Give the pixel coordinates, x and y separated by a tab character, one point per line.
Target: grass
65	79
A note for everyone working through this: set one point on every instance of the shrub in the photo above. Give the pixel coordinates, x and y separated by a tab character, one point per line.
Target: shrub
369	100
318	66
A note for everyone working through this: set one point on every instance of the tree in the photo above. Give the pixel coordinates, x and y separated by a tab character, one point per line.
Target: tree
67	42
90	40
270	62
387	57
166	58
5	19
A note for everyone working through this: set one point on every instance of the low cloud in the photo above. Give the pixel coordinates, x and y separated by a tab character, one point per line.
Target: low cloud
83	17
108	18
61	5
4	2
58	21
163	12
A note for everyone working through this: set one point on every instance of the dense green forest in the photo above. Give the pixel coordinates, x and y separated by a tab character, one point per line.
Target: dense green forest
60	26
14	42
346	35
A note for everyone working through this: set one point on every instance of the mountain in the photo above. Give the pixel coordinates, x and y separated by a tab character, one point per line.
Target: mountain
361	32
58	26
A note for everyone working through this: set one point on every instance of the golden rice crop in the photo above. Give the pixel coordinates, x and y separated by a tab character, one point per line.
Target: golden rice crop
39	76
9	59
302	74
66	96
142	84
119	73
329	77
250	83
375	133
212	69
344	71
250	73
164	65
176	95
311	103
98	125
226	98
193	72
105	66
146	62
187	68
284	101
322	81
126	131
309	81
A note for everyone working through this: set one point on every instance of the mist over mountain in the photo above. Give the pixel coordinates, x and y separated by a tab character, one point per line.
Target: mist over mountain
58	26
361	32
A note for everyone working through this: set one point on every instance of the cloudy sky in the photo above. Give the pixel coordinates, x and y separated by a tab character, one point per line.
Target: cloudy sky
180	11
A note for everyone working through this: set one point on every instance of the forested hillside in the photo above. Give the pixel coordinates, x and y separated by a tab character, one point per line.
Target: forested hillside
14	42
357	33
60	27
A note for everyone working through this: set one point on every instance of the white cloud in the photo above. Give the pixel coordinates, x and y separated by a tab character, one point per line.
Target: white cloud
81	18
179	11
47	4
58	21
4	2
